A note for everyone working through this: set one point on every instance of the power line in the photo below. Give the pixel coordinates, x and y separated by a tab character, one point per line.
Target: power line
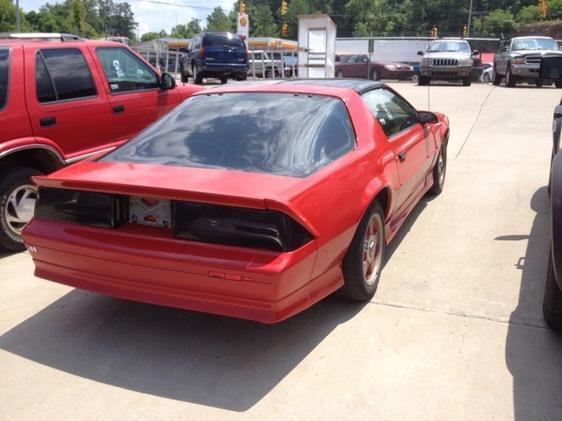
180	4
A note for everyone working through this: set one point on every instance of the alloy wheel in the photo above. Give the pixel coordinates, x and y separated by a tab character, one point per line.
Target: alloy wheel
19	207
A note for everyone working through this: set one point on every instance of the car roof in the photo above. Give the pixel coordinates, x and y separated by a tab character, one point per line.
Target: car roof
36	42
532	37
335	87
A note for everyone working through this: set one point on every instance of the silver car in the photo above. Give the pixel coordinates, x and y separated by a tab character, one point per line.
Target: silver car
446	59
518	60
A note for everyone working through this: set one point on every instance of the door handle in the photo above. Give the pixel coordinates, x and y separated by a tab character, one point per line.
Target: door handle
118	109
401	156
48	121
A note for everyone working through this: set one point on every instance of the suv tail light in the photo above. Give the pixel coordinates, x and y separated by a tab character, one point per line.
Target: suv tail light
82	207
237	226
202	52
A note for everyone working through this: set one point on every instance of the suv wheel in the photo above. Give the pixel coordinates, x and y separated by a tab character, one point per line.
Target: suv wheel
17	203
558	84
184	77
466	81
422	80
496	78
509	78
197	77
224	80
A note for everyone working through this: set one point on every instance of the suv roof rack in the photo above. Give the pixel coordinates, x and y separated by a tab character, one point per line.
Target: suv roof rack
40	35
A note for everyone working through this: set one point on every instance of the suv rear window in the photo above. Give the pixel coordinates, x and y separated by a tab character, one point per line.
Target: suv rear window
4	72
223	40
277	133
62	73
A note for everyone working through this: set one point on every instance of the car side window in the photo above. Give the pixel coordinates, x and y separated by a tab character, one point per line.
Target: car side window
4	74
62	74
125	72
393	113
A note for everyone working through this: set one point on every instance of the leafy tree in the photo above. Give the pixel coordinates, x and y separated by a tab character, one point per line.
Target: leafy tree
219	21
296	8
528	14
262	23
149	36
192	28
499	22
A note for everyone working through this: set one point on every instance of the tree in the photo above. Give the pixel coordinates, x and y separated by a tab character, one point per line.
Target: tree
218	21
499	23
262	23
296	8
7	16
192	28
122	20
528	14
149	36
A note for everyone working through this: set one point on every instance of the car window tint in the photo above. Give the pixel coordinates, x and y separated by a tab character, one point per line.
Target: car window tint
223	40
43	83
278	133
257	56
124	71
69	73
4	74
392	112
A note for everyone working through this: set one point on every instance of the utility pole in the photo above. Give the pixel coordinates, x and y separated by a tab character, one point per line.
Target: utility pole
469	19
18	29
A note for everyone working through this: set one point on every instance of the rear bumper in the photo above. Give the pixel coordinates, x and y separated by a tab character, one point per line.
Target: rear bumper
211	68
148	265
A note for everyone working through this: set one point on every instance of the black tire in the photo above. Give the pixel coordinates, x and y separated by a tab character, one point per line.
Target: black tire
375	75
496	78
184	77
356	286
224	80
242	76
423	81
486	78
510	80
439	171
197	77
539	83
467	81
558	84
339	73
552	304
268	74
11	180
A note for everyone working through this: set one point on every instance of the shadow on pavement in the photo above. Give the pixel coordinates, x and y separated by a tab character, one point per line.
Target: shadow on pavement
187	356
533	353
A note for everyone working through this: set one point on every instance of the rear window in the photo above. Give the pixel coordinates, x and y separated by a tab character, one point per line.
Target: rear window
4	72
223	40
285	134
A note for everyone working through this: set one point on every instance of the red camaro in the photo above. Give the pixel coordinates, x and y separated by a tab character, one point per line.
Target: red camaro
253	201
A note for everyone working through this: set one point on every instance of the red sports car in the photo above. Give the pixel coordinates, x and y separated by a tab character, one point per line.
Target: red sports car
252	201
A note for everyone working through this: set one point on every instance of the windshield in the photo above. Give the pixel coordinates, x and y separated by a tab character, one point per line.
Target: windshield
535	44
285	134
448	47
223	40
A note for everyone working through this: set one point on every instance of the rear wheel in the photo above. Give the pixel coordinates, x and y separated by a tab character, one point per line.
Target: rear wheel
197	77
558	84
486	78
510	80
439	172
539	83
339	73
552	304
496	78
17	204
184	77
224	80
364	259
467	81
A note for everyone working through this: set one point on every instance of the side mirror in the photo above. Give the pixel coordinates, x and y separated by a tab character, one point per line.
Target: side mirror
551	68
475	52
365	60
167	81
426	117
420	53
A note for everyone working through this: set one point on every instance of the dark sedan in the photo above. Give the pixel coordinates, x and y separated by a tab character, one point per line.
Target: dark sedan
357	66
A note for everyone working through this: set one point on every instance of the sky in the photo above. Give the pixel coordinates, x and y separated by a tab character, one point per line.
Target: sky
154	17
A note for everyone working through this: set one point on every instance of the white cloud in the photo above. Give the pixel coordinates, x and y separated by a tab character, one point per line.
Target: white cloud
155	17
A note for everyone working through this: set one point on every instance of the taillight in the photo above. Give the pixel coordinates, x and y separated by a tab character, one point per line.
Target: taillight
87	208
202	52
242	227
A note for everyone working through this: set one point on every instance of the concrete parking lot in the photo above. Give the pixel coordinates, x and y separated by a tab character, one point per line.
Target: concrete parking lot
455	331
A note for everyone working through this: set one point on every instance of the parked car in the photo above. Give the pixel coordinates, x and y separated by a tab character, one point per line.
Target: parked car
220	55
61	100
487	72
551	69
357	66
265	64
222	205
447	59
518	60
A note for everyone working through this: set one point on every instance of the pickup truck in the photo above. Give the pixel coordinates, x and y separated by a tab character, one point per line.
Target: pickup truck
63	99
